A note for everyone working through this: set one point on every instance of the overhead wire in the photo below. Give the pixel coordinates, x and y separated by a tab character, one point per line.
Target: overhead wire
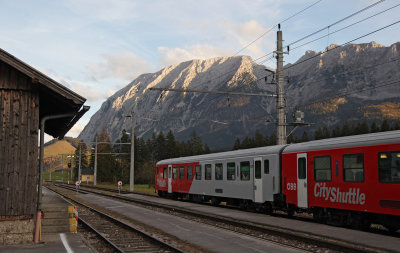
347	93
337	22
343	28
333	24
272	28
392	60
339	46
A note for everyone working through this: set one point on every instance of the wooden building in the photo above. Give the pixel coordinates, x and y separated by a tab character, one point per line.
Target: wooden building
27	96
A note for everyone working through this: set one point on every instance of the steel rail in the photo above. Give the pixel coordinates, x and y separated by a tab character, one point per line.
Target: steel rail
315	239
120	223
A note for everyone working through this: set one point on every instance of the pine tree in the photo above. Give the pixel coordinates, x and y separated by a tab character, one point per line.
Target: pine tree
336	132
385	126
374	127
259	140
304	137
81	151
363	127
318	134
160	147
272	139
171	145
325	133
196	143
245	143
396	126
237	144
206	149
345	130
106	166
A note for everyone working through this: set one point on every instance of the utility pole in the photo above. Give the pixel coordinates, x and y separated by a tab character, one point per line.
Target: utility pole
70	167
62	169
50	170
80	157
280	101
132	167
95	163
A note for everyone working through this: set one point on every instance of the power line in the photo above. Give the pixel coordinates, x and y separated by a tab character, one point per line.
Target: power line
338	46
341	29
337	22
272	28
351	71
345	94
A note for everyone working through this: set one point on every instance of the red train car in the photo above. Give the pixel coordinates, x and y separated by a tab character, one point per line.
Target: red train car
350	180
353	180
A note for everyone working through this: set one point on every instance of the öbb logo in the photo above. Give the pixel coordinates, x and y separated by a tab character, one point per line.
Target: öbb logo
352	196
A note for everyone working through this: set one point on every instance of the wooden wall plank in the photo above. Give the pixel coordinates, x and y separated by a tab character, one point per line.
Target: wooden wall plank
19	123
2	150
33	142
5	147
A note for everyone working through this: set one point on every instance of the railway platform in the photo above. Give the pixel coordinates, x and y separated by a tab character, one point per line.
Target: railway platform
379	241
55	230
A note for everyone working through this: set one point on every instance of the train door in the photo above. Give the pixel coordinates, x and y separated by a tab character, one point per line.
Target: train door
258	187
302	195
169	178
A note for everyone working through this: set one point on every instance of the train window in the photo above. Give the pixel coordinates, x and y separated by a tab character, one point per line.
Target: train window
174	174
389	167
165	173
182	173
353	168
245	171
230	171
266	166
208	172
322	168
301	168
218	171
257	169
198	172
190	172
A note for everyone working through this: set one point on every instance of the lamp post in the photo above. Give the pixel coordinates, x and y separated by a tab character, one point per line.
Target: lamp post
132	167
80	158
95	163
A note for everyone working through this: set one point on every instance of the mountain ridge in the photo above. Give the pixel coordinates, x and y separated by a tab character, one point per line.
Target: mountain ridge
219	119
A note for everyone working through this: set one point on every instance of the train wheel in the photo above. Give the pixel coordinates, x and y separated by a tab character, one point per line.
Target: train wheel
392	228
268	208
215	201
290	210
243	204
318	215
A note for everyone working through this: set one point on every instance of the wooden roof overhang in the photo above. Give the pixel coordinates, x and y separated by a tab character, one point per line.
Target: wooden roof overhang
54	98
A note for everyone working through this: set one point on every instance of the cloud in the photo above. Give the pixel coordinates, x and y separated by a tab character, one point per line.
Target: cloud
76	130
170	56
247	32
106	10
126	66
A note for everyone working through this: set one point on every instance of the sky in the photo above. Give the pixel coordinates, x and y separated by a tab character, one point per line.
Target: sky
97	47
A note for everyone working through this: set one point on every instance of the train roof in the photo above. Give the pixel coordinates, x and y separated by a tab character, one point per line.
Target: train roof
226	155
345	142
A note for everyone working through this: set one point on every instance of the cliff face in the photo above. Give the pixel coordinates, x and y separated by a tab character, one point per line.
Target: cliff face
361	71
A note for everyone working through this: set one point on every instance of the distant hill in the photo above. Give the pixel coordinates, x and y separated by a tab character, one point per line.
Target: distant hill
57	147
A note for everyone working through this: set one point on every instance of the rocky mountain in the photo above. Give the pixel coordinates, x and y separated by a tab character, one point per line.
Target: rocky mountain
366	75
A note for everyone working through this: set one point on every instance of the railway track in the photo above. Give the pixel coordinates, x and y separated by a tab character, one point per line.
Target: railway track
118	234
288	238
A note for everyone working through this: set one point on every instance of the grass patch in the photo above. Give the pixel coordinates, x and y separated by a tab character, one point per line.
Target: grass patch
56	176
139	188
